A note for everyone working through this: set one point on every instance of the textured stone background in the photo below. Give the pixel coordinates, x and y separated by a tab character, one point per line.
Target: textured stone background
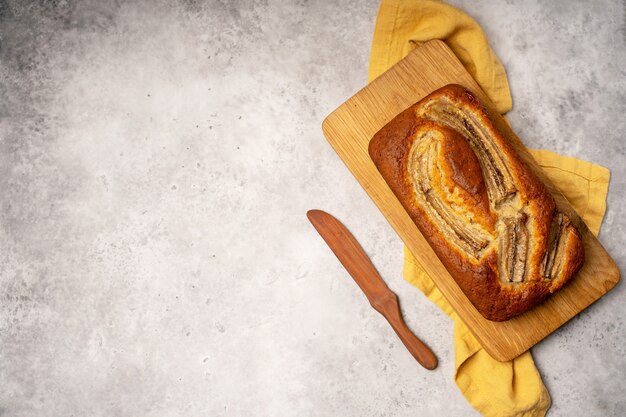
157	159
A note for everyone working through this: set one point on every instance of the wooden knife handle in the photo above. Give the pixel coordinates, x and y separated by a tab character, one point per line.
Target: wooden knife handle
390	309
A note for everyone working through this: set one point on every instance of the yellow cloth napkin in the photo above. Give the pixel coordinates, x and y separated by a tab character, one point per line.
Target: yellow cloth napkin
403	25
494	388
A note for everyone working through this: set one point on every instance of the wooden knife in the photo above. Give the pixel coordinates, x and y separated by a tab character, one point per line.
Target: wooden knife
358	264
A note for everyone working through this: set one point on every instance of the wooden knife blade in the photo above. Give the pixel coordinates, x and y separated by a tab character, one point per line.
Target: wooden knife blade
357	263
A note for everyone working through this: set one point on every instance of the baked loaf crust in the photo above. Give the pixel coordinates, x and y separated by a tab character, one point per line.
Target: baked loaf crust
490	220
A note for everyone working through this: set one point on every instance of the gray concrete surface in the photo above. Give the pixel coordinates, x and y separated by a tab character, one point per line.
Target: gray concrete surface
157	159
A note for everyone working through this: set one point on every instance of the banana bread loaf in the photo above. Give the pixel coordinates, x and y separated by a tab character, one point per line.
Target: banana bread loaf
490	220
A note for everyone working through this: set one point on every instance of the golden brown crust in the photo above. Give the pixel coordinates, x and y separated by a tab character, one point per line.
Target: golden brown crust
489	219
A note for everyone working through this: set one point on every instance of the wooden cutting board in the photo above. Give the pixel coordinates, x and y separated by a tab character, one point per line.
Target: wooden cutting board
349	130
